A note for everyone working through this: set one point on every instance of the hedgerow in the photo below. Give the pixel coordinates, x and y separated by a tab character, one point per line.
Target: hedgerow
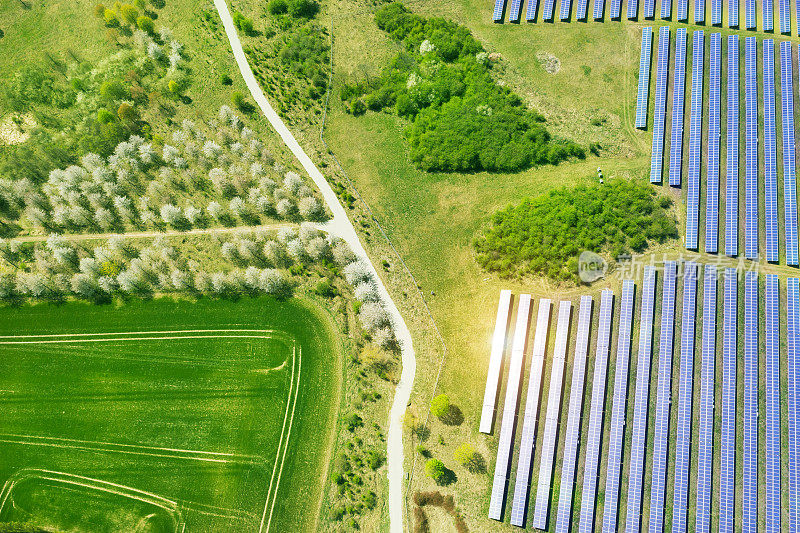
461	120
545	235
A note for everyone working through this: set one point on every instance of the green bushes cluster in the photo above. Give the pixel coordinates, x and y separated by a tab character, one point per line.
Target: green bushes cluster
545	235
461	120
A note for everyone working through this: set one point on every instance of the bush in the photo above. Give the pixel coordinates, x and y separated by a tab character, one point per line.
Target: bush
278	7
126	112
129	13
435	469
145	24
104	116
303	8
110	18
99	11
243	23
440	405
358	107
225	79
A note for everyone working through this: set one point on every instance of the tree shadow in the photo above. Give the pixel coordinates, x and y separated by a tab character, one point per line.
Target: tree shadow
453	417
477	464
448	477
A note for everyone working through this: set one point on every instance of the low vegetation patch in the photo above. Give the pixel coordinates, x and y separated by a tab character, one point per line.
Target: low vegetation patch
544	235
461	119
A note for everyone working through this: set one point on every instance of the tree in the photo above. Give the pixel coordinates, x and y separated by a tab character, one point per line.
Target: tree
111	18
440	405
303	8
278	7
145	24
465	454
309	208
99	11
373	316
435	469
129	13
126	112
243	23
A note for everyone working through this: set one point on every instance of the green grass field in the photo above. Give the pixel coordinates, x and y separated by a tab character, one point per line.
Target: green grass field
158	415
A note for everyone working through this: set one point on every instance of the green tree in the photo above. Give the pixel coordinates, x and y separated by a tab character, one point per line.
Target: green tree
104	116
129	13
440	405
278	7
435	469
111	18
465	454
303	8
243	23
126	112
145	24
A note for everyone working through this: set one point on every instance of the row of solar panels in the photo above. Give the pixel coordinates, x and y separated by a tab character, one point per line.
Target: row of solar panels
712	160
703	445
565	14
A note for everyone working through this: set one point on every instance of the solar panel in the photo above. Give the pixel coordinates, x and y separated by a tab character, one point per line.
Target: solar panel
542	507
649	9
793	374
784	16
642	400
789	191
495	360
695	141
699	11
509	421
581	9
644	77
678	90
716	12
732	144
705	446
733	13
515	11
499	7
566	7
750	14
520	502
597	409
751	150
570	457
666	9
530	14
659	477
684	423
614	467
547	10
614	9
599	9
793	352
683	10
772	386
712	167
660	110
750	450
767	10
770	153
727	494
633	9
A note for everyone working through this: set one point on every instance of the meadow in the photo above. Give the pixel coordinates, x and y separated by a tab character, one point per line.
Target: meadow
156	415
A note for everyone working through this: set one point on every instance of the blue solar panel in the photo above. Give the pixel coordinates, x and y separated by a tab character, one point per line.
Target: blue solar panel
530	13
732	159
733	13
666	9
678	90
660	109
515	11
712	168
649	9
767	10
727	494
789	191
660	444
683	10
684	423
566	7
751	149
695	141
614	468
750	14
793	374
716	12
705	441
570	457
497	14
699	11
633	9
750	450
597	409
644	77
772	386
614	9
583	6
599	9
641	406
784	16
770	153
547	10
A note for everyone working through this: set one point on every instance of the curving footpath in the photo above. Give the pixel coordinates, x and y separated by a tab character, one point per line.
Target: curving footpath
341	227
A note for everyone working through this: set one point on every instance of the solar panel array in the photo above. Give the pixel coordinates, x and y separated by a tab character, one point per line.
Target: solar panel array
678	90
727	495
522	481
644	76
599	9
750	14
793	374
515	11
509	421
499	7
683	10
772	449
570	458
649	9
495	361
684	422
614	468
733	13
566	7
751	149
784	16
666	8
633	9
595	432
695	141
547	10
789	190
530	14
542	507
660	110
614	9
642	400
750	449
699	11
770	153
716	12
581	9
705	447
665	346
767	15
712	167
732	161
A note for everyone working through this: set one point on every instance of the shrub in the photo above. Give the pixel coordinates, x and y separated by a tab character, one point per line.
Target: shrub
99	11
278	7
126	112
358	107
440	405
104	116
435	469
225	79
243	23
303	8
145	24
110	18
129	13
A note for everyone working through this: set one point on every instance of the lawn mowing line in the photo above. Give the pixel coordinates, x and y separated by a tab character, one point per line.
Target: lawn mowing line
139	333
283	442
135	339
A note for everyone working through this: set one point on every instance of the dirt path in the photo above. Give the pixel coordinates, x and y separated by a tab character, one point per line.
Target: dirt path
146	234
